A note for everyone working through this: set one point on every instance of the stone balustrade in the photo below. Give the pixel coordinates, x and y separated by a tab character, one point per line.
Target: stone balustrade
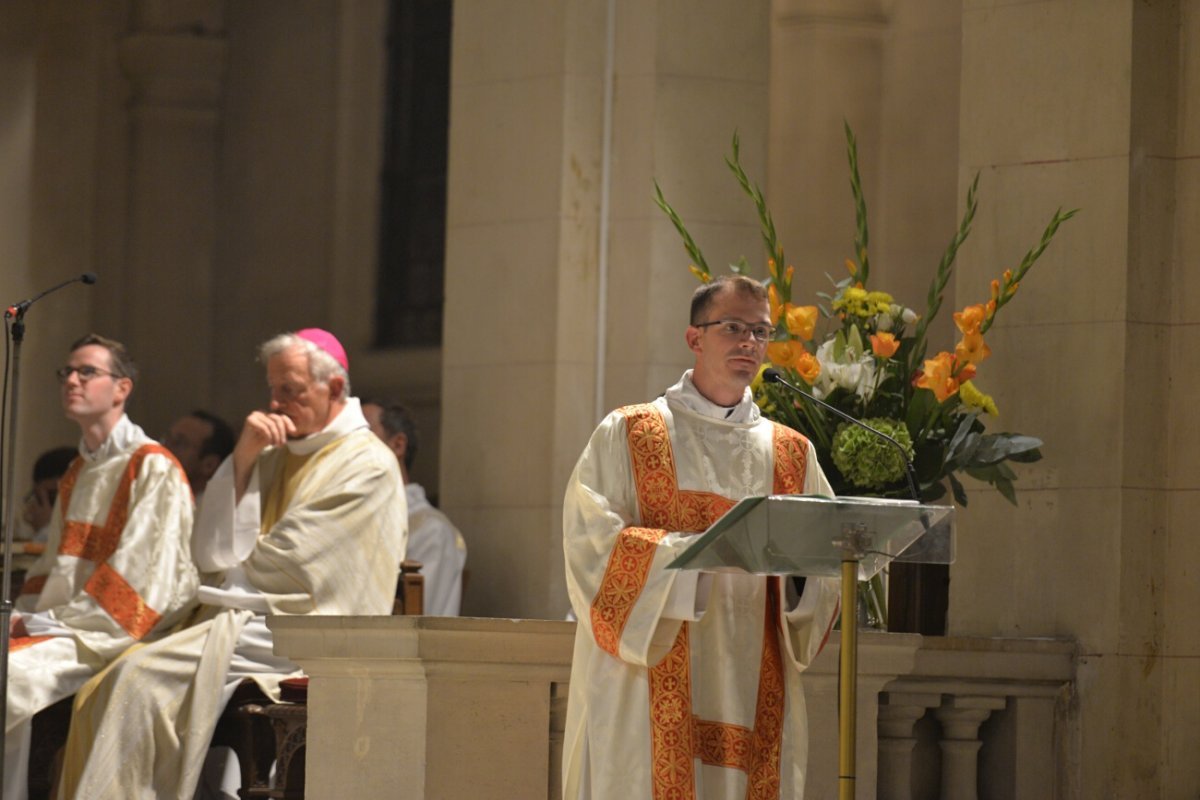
460	707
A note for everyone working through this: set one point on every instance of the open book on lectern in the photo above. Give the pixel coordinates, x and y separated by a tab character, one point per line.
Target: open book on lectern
811	535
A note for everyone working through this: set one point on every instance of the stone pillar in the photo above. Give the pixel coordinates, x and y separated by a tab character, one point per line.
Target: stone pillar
1094	112
898	713
175	61
522	252
826	69
961	716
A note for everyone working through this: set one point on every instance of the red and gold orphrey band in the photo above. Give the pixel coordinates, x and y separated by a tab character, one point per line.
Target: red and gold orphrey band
97	543
677	736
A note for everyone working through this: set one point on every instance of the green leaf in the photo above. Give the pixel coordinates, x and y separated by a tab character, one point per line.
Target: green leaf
741	267
960	435
960	493
932	492
1027	456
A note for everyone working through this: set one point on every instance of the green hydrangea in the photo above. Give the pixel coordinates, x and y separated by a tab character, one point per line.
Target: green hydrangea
866	460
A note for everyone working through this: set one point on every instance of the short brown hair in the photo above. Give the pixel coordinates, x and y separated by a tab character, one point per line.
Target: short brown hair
121	364
706	293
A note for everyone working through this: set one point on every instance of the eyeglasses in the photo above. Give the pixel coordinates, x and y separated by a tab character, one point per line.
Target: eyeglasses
736	329
85	373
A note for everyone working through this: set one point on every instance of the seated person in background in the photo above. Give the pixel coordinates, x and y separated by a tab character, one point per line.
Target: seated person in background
118	563
47	471
432	538
201	441
307	516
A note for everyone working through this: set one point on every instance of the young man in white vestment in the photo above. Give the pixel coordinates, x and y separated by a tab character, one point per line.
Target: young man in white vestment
687	685
432	538
117	567
307	516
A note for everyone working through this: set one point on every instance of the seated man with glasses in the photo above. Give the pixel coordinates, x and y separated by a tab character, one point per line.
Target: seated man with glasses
700	673
118	565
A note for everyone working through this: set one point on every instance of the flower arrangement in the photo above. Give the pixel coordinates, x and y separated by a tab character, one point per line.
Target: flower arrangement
860	350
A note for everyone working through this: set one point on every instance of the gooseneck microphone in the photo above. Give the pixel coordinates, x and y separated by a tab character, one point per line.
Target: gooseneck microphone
775	376
17	310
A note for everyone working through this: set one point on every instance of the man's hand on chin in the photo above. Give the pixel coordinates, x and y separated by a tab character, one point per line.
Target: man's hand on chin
262	429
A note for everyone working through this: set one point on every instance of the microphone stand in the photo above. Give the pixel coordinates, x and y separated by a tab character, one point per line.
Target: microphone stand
16	313
6	605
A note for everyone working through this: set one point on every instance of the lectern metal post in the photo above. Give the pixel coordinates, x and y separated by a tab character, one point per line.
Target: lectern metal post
848	679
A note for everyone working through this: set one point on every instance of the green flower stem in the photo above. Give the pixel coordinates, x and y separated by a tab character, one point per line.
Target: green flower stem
860	208
688	243
937	287
1028	261
770	239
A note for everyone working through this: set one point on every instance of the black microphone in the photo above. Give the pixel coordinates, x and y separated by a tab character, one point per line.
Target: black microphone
775	376
18	309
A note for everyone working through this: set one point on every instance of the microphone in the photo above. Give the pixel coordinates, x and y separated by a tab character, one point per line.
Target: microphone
775	376
18	310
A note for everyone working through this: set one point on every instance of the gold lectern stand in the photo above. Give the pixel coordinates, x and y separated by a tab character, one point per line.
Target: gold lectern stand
848	537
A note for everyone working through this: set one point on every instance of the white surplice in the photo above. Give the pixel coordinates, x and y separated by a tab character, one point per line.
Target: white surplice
437	544
684	685
335	549
117	570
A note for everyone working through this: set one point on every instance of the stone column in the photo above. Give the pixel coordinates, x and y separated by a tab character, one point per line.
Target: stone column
898	713
523	258
175	62
961	717
1092	109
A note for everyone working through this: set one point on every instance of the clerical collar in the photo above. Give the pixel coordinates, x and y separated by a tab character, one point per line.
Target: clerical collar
349	419
687	395
119	439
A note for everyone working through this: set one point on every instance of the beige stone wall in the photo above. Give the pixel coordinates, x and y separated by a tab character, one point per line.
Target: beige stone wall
1091	110
523	258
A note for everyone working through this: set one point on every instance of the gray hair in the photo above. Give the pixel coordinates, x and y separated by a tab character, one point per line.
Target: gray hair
322	366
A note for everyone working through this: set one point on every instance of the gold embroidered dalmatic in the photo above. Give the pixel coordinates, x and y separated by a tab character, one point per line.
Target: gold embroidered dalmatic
681	686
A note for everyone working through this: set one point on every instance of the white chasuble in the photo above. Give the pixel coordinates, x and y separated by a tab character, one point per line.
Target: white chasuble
684	685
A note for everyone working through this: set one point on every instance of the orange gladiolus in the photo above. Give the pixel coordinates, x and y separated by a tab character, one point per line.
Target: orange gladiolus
995	289
851	267
802	321
785	353
938	376
972	349
970	318
699	273
808	366
773	301
884	345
